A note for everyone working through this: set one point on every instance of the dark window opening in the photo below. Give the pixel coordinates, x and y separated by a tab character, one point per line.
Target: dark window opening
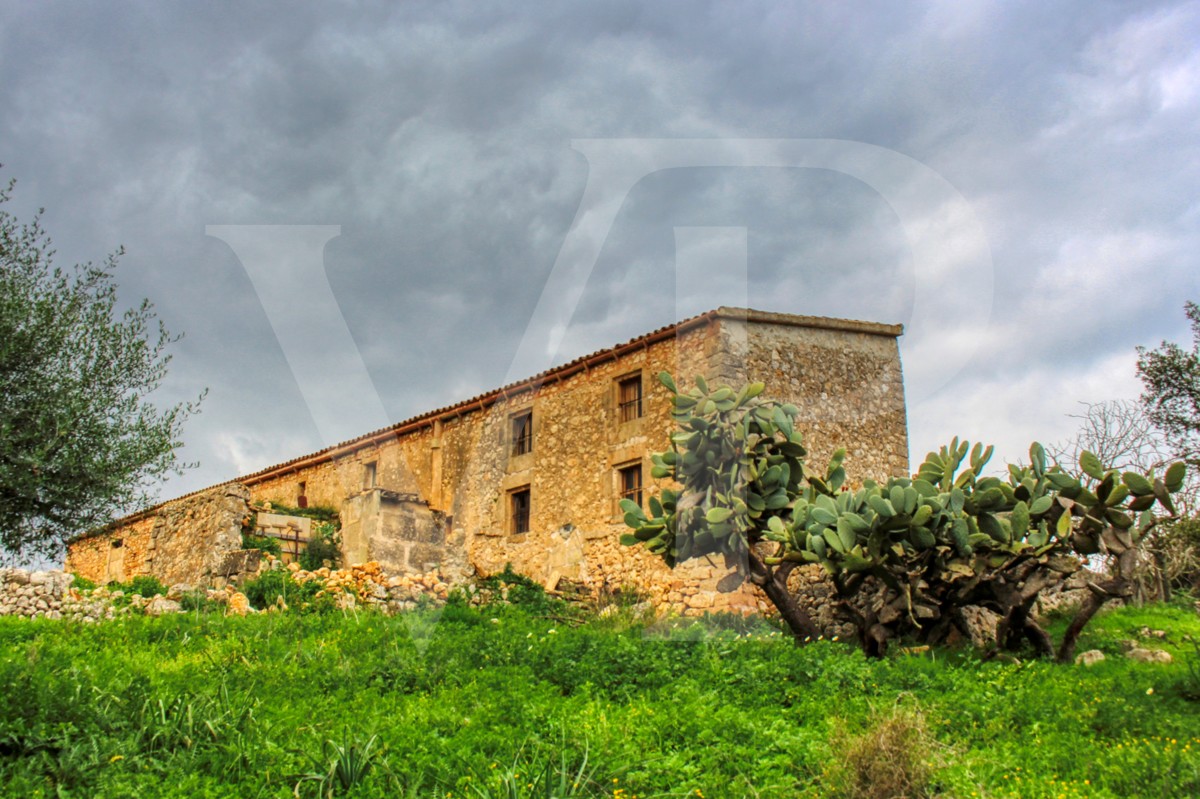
519	511
116	543
631	482
629	398
522	433
302	495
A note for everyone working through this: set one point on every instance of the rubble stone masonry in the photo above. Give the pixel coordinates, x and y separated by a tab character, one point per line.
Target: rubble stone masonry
455	489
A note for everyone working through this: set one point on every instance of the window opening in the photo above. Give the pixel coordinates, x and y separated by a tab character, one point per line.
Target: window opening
519	511
522	433
629	398
631	483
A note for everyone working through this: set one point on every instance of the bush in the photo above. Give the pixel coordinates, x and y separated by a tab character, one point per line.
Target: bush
891	759
263	542
82	583
143	585
325	545
510	588
197	600
320	513
265	591
1177	550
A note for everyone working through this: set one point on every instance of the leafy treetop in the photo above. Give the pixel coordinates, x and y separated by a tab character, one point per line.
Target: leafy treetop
79	441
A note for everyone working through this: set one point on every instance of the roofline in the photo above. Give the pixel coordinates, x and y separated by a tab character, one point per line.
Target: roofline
486	400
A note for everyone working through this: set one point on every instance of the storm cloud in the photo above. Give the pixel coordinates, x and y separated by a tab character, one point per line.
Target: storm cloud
438	136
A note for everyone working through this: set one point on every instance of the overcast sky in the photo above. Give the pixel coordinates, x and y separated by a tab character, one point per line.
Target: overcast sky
1015	182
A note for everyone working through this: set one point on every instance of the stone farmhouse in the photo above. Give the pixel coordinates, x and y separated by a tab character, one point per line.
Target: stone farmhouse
531	473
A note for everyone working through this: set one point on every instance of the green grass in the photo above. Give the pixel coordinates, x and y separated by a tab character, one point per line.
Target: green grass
501	702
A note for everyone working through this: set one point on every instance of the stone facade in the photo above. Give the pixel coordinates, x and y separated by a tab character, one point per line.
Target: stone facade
530	474
187	540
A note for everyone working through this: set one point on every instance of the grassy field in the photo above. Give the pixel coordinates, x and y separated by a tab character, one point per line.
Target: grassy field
518	701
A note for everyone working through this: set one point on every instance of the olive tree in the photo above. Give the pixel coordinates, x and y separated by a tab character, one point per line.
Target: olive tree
79	440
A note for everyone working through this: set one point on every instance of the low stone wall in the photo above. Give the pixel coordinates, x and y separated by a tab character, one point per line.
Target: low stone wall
33	594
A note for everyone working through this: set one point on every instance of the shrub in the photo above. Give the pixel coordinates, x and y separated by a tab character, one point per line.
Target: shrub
144	585
509	587
320	513
892	758
264	542
266	589
82	583
197	600
325	545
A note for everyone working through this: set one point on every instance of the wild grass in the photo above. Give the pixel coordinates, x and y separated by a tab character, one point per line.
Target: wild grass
513	702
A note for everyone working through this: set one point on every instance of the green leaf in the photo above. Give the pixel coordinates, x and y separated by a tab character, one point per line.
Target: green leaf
925	488
1138	484
629	539
834	540
961	535
881	506
1019	518
1037	457
1062	480
718	515
824	516
923	538
1041	505
666	379
1173	477
629	506
1091	464
846	536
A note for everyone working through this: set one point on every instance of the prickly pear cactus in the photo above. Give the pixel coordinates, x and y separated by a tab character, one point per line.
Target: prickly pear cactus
740	461
919	548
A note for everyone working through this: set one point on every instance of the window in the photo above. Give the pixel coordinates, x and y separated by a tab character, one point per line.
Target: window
302	495
522	433
629	398
369	475
518	506
630	483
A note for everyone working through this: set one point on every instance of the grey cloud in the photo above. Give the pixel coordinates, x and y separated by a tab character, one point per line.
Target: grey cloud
438	136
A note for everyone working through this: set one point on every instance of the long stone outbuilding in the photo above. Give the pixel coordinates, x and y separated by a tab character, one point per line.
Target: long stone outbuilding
530	474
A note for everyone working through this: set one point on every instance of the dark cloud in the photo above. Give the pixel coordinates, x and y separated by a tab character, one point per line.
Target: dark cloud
438	135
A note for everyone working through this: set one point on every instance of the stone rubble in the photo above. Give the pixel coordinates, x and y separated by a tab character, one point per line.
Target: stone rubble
51	594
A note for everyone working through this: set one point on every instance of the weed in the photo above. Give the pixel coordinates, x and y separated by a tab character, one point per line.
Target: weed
143	585
1191	684
264	543
342	766
197	600
324	548
558	777
275	584
892	759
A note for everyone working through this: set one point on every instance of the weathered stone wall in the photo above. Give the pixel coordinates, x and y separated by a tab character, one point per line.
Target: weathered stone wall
184	541
399	532
848	386
116	555
460	472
